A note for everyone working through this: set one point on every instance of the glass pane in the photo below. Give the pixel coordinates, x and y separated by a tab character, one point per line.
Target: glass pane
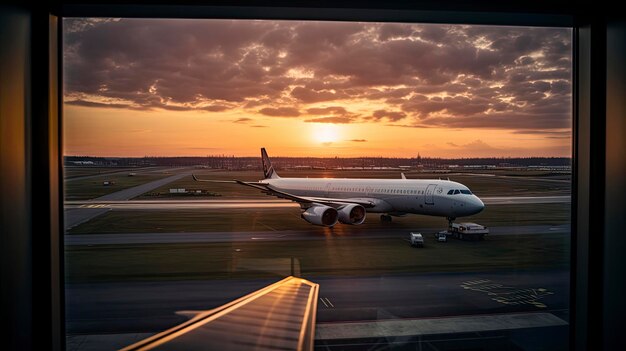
170	208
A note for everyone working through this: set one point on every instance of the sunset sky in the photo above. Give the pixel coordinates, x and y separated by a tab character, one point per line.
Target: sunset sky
154	87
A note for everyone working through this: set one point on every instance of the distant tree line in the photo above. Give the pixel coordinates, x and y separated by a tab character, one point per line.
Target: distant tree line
231	162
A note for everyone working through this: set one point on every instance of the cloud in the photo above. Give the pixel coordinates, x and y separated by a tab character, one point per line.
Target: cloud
310	95
476	145
243	120
392	116
358	140
280	112
97	104
215	108
549	134
331	119
458	76
567	133
333	110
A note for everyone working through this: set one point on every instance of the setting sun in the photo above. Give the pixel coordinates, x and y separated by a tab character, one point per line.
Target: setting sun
325	133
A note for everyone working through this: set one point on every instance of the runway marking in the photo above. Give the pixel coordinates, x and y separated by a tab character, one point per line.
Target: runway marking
508	295
327	303
428	342
93	206
267	226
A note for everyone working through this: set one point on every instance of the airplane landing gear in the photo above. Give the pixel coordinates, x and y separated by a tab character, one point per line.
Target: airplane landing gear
450	220
385	218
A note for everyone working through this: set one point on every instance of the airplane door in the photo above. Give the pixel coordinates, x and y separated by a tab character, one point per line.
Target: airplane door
428	198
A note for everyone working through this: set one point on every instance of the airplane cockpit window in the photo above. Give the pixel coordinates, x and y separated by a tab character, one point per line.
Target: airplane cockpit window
172	203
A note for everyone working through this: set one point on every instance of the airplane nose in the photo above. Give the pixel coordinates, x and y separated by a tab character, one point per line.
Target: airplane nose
477	204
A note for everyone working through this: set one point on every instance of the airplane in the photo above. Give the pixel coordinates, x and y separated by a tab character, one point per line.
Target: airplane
326	201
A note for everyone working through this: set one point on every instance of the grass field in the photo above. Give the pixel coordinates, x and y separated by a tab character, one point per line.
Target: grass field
84	189
238	220
73	172
335	256
221	189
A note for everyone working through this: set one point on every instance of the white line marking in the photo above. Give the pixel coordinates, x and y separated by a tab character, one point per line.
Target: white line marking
331	305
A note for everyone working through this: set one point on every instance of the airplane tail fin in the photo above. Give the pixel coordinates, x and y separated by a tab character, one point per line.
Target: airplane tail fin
268	170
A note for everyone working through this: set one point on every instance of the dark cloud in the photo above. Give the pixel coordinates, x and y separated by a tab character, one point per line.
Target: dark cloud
552	132
96	104
215	108
433	33
280	112
310	95
394	30
389	115
243	120
502	120
457	76
549	134
358	140
334	110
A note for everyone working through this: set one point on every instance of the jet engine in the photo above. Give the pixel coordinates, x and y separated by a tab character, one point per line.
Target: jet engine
320	215
352	214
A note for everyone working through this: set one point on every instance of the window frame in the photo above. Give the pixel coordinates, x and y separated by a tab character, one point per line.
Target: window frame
587	133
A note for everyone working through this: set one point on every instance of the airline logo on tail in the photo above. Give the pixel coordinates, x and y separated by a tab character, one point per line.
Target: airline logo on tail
268	170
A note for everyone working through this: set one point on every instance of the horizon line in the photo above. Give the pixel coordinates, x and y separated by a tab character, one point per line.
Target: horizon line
323	157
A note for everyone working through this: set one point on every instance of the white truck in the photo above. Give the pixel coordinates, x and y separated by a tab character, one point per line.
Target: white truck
416	239
442	236
468	231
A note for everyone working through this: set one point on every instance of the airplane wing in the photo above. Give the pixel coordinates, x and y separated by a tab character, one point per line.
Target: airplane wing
267	188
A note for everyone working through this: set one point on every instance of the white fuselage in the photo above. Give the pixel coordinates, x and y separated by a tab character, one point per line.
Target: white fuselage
433	197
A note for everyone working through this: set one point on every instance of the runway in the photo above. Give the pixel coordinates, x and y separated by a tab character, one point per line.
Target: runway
283	235
269	203
77	215
136	307
129	193
148	307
